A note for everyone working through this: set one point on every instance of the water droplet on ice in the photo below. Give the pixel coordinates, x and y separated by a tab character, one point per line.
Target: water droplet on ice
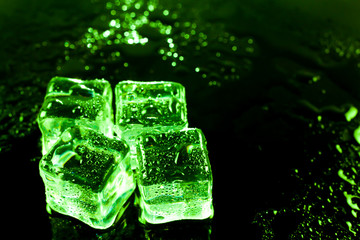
77	109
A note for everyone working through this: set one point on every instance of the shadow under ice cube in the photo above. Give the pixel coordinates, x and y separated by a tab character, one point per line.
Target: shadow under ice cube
87	176
174	178
70	102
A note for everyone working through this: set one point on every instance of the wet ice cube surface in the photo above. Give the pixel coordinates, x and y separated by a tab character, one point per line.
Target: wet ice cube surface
77	87
70	102
142	106
175	178
87	176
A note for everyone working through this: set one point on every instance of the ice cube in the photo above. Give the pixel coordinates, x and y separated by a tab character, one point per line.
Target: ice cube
70	102
149	106
174	178
87	176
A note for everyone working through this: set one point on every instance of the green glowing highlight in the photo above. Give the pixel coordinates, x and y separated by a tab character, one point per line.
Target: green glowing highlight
350	227
357	134
338	148
351	113
350	202
344	177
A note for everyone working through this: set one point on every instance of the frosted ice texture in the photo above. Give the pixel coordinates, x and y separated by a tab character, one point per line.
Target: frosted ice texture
149	106
175	178
70	102
87	176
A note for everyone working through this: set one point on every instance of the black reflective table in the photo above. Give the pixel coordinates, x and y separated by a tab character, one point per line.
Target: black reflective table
274	85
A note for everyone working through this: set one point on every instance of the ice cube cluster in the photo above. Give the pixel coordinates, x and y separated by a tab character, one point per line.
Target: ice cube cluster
91	166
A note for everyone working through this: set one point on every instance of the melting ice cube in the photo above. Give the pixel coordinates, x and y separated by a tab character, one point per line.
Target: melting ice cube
70	102
87	176
149	106
175	178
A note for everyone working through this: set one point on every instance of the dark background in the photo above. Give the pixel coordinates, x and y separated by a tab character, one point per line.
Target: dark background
268	82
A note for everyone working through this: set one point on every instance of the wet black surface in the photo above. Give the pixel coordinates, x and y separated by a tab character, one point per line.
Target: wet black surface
268	82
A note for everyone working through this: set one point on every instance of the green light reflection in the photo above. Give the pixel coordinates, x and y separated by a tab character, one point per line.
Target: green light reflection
138	28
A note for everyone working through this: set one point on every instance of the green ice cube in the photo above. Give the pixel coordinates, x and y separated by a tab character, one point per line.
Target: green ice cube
149	106
87	176
70	102
77	87
174	178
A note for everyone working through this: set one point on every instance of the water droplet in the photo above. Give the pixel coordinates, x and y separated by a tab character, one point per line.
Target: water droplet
77	110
